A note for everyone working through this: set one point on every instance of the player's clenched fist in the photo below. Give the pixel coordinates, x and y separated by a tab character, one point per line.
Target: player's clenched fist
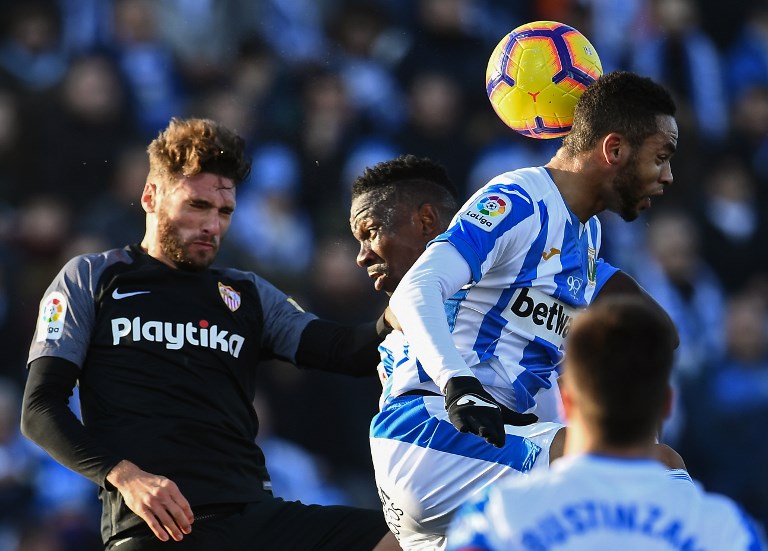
471	409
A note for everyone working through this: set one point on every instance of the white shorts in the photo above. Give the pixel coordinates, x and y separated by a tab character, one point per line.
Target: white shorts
425	468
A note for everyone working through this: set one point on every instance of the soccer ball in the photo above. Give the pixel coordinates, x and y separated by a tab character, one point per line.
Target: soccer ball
536	74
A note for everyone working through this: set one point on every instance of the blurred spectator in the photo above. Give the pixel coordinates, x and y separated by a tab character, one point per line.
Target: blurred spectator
357	31
82	132
677	276
327	130
115	214
730	406
18	460
193	30
148	64
679	53
294	30
749	131
435	124
272	228
747	57
733	224
31	54
445	40
85	24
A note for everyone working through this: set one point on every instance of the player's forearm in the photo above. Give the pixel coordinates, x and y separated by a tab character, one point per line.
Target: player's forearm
48	421
349	350
418	304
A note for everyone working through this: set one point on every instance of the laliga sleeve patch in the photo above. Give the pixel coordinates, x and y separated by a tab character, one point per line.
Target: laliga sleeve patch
487	210
50	322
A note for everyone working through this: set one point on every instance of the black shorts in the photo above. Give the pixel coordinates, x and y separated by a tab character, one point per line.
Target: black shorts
270	525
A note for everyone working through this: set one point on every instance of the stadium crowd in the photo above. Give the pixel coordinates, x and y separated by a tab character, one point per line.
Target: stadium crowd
321	90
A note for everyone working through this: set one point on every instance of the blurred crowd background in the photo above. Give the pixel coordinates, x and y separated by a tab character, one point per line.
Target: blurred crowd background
320	89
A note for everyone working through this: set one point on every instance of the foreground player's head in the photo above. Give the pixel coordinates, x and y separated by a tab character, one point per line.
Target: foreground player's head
398	206
626	123
615	383
189	196
622	102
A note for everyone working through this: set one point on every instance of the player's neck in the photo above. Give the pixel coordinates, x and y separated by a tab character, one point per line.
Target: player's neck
579	441
577	183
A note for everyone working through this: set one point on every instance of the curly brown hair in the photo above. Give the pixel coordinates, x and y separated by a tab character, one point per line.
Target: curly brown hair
190	146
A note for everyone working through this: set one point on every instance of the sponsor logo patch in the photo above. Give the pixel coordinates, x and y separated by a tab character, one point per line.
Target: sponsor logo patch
174	336
540	315
53	312
488	211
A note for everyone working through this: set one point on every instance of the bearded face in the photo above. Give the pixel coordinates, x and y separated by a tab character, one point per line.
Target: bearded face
180	251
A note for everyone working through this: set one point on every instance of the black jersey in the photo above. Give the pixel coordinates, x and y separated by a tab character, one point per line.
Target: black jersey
167	361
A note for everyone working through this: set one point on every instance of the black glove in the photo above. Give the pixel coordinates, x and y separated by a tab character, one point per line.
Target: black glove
471	409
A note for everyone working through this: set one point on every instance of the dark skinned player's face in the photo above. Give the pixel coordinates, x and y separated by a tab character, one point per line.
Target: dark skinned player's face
646	173
391	238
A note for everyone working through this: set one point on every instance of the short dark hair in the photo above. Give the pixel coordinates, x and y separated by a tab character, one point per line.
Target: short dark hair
409	179
622	102
619	357
190	146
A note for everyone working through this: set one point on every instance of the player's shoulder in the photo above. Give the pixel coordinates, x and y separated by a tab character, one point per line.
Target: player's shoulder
733	523
94	262
530	184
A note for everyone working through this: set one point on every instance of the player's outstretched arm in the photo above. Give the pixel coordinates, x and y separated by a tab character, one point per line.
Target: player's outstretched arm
154	498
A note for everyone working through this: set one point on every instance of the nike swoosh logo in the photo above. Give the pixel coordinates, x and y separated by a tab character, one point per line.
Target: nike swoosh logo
117	295
475	401
552	252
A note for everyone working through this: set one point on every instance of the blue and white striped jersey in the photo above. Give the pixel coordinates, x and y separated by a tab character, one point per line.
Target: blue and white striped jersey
533	267
588	502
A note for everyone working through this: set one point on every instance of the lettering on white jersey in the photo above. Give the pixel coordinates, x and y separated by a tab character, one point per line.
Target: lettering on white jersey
50	321
176	335
488	210
540	315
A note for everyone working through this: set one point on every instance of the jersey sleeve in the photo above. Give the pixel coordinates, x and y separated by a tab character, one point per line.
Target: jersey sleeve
604	273
418	304
67	311
497	218
284	320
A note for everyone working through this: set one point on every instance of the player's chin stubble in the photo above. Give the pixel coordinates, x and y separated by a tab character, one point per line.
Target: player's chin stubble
173	247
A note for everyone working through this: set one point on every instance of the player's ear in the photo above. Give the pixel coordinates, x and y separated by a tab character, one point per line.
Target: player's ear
149	197
615	149
429	219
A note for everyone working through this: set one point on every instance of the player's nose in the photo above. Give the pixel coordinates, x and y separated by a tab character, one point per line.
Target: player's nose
365	256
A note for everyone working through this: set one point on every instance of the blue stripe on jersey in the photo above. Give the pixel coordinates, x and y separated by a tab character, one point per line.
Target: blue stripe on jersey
406	419
572	280
452	306
537	361
490	328
680	474
423	377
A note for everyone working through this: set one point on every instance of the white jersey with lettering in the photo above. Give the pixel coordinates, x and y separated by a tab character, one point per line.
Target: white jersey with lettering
595	503
533	267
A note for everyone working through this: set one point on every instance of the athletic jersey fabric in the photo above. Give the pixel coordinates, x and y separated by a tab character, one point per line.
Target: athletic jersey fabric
533	266
167	361
592	503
